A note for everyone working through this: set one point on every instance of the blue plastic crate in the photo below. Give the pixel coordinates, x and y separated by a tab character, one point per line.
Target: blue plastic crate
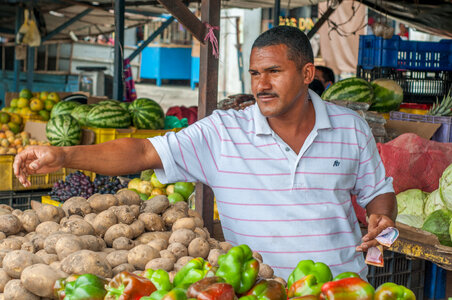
396	53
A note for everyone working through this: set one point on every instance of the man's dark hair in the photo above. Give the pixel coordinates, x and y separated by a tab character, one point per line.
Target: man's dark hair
317	86
298	45
327	73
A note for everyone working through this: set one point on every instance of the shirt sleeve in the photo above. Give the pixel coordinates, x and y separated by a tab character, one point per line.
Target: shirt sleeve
371	180
185	154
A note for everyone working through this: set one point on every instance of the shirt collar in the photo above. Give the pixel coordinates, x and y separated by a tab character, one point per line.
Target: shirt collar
322	120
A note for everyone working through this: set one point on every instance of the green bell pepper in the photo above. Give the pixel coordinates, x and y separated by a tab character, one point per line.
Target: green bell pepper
351	288
159	278
346	275
195	270
306	286
157	295
238	268
86	287
268	290
392	291
305	267
175	294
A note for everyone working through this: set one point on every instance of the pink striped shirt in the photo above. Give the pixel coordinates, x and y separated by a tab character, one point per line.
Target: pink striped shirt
288	207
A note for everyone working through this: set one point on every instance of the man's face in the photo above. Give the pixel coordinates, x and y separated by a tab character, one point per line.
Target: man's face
276	82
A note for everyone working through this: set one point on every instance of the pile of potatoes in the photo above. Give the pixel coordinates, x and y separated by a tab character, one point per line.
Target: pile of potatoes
102	235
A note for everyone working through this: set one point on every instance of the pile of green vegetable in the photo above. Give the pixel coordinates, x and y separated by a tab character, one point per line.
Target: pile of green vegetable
431	212
236	276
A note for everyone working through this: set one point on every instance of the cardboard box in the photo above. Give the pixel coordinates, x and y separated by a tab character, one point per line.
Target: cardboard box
424	130
37	130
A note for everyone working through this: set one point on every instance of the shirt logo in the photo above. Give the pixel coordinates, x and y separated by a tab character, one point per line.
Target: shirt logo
336	163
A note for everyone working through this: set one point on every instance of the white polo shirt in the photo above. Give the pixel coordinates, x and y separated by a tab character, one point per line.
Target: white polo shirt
288	207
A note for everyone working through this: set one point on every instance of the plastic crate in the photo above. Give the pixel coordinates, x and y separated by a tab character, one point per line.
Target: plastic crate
444	132
396	53
109	134
21	200
9	182
418	86
400	270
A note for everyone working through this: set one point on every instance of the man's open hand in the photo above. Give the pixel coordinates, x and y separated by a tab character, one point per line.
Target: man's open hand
37	160
377	223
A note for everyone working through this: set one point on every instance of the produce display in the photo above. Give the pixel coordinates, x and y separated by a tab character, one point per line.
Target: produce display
63	130
108	115
442	109
146	114
430	212
12	144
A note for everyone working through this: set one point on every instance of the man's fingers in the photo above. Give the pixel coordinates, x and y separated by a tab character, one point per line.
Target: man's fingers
366	245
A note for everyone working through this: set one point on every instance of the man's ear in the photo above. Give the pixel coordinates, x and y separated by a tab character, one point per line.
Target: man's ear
308	72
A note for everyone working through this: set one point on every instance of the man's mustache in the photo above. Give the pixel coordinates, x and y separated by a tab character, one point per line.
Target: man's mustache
264	94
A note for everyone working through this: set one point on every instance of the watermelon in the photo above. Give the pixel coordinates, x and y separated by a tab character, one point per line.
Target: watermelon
108	116
63	130
80	112
388	95
63	107
109	101
125	105
350	89
147	114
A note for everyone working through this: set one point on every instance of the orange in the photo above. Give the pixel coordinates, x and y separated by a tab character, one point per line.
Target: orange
36	104
25	93
4	117
43	96
48	104
15	118
14	102
26	111
53	96
22	102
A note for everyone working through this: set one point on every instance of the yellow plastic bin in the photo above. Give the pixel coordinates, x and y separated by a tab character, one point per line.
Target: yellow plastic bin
48	200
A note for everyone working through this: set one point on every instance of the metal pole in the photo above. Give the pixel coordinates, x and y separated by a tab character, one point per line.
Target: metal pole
19	16
66	24
30	66
118	84
276	13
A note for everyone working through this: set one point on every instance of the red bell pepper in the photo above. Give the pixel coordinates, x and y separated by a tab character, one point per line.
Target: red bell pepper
347	289
268	290
211	288
392	291
129	286
306	286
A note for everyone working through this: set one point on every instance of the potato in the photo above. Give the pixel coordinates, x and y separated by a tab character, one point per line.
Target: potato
182	205
10	244
7	208
152	222
123	243
160	263
67	245
56	265
116	231
258	256
14	290
193	213
187	223
50	241
16	261
199	222
280	280
265	271
135	209
117	258
74	217
183	236
77	227
2	256
172	274
149	236
38	241
137	227
99	202
181	262
156	205
125	214
29	246
4	278
47	228
10	224
128	197
92	242
48	258
76	206
90	218
199	247
178	250
141	255
39	279
18	237
2	236
29	220
206	231
168	254
50	213
86	261
225	246
123	267
108	250
200	233
103	221
158	244
214	254
171	215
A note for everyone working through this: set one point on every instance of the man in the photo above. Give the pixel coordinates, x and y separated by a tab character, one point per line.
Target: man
282	171
325	75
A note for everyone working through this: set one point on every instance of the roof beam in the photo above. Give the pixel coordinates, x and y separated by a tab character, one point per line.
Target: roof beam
181	12
66	24
323	19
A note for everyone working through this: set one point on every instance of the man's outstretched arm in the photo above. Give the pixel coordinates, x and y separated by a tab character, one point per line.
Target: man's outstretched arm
122	156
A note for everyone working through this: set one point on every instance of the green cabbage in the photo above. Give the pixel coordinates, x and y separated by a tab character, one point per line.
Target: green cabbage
411	220
411	202
433	202
438	223
445	187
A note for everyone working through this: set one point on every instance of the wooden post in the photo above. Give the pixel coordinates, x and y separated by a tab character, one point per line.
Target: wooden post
207	101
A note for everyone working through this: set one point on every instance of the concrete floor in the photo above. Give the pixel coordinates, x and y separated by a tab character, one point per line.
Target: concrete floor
168	95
